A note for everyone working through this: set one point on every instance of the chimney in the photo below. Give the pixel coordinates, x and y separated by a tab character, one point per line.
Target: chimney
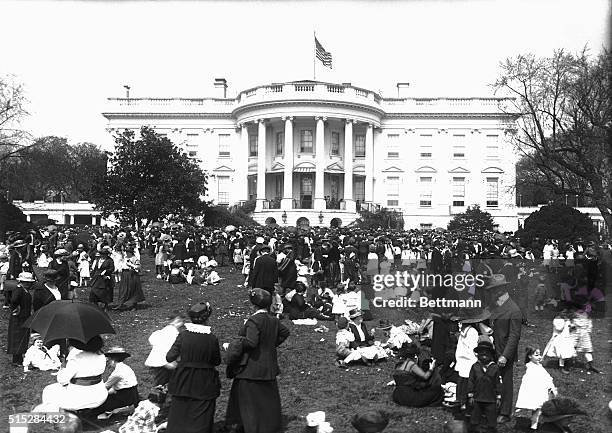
221	83
402	90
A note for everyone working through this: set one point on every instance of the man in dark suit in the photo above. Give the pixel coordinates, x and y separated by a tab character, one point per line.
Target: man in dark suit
264	274
60	264
363	337
506	320
287	269
45	292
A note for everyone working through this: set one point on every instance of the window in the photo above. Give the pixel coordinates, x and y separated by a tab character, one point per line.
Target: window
425	191
306	141
192	140
393	146
252	187
393	187
459	187
280	143
224	145
334	186
492	192
335	144
360	146
359	189
223	183
426	226
425	148
253	145
278	186
458	146
492	151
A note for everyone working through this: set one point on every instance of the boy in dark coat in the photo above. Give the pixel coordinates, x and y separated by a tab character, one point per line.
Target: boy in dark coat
484	387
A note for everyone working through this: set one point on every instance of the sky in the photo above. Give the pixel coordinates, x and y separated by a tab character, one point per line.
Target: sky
71	56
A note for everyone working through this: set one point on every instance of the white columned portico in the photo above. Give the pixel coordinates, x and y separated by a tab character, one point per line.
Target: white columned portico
287	201
93	220
348	166
369	164
319	197
243	155
261	164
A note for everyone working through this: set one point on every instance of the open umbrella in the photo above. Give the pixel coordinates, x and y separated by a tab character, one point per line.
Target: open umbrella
67	319
230	228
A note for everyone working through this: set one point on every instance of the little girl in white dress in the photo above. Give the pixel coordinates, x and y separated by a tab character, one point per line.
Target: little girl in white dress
561	344
536	386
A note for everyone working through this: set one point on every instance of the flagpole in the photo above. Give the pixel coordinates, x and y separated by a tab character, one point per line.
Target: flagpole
314	59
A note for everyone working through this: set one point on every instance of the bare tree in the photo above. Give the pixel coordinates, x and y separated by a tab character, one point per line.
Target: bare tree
565	119
13	139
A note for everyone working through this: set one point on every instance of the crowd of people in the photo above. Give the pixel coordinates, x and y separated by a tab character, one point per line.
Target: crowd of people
463	358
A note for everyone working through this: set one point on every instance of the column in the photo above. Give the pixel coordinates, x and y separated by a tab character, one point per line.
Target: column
287	201
93	220
243	158
319	197
348	166
369	164
261	164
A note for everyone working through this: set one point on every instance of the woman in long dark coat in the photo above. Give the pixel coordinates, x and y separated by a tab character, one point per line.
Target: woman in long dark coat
195	384
130	289
102	282
21	309
254	402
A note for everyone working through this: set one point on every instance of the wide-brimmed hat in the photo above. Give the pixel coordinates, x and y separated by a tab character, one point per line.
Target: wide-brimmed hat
354	313
93	345
496	282
259	240
26	277
106	250
409	350
485	346
384	324
260	297
18	243
117	352
61	252
50	275
372	421
474	315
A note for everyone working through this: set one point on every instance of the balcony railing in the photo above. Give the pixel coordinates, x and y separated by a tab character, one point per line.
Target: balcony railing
332	203
274	203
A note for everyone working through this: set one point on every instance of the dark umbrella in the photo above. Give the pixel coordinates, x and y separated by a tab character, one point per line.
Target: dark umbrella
67	319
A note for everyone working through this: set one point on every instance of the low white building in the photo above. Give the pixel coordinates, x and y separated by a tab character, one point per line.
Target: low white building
314	153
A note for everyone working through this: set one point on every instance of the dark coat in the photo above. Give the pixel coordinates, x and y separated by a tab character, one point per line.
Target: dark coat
21	309
195	376
262	334
63	276
264	274
179	252
102	282
369	339
506	323
288	273
437	261
15	264
41	296
485	386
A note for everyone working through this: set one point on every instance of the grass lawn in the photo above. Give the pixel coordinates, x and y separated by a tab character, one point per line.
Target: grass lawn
309	379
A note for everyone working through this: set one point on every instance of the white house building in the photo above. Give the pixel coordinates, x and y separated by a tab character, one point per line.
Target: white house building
314	153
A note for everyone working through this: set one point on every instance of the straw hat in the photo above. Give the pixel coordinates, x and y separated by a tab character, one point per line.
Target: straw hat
26	277
117	352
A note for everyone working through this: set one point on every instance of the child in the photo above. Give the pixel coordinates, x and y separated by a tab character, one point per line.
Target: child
540	294
122	384
161	341
238	258
561	344
536	386
583	326
143	418
41	358
344	340
465	356
484	386
84	273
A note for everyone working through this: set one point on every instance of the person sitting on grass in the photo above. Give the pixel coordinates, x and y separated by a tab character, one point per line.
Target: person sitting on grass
296	307
143	418
39	357
122	384
177	273
416	386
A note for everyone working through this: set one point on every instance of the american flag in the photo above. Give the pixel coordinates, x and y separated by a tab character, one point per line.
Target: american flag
324	56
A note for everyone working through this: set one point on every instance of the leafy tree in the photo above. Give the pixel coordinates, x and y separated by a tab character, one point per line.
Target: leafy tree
221	216
54	170
383	218
556	221
473	220
564	108
149	179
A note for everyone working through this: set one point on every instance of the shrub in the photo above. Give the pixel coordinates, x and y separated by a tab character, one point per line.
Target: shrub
556	221
473	220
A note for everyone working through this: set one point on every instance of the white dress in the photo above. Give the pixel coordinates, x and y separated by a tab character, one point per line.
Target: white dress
84	265
561	344
535	385
71	396
464	354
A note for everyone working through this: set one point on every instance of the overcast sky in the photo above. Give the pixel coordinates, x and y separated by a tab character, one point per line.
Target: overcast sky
71	56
